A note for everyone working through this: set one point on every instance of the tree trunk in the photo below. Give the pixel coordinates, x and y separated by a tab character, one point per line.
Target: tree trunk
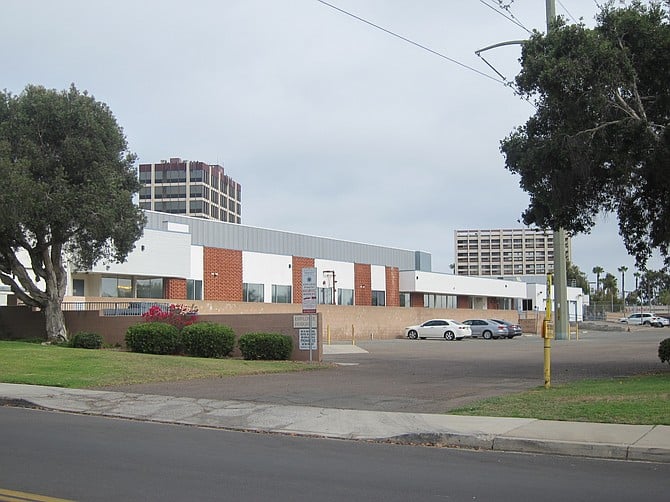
55	321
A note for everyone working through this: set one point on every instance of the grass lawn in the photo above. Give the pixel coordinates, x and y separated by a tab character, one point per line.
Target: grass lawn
36	364
643	400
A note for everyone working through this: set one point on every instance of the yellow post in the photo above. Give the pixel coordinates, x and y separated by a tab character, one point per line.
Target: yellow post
353	335
328	331
548	334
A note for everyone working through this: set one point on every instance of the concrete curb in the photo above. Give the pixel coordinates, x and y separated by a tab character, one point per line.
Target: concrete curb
610	441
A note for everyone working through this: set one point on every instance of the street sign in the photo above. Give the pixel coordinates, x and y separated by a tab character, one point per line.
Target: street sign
304	338
309	290
304	321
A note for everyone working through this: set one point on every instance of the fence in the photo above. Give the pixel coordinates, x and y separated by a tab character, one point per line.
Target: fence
114	308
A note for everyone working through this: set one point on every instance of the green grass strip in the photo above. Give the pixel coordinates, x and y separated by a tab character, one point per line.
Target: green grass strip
642	400
35	364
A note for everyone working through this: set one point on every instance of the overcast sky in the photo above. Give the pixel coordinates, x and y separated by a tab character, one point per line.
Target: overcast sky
333	127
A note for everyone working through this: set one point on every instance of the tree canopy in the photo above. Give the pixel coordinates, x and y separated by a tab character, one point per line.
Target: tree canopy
66	188
599	139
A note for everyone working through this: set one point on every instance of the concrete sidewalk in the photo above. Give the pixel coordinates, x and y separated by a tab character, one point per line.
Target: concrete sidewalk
611	441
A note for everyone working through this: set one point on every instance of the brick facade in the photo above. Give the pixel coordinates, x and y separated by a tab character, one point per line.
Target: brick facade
392	287
416	299
362	284
222	278
175	289
297	265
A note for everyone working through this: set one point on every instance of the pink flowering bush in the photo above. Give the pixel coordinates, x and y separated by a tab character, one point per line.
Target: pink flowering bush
178	316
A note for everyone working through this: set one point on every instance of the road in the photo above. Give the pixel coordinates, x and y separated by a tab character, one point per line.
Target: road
88	458
434	376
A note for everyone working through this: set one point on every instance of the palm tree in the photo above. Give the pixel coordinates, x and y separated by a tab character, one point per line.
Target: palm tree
598	270
623	269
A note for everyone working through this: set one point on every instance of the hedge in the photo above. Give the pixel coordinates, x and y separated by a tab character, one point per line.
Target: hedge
266	346
153	338
208	339
85	340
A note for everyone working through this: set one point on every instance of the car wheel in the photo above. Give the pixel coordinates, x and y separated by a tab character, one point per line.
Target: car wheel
646	323
487	335
413	335
449	335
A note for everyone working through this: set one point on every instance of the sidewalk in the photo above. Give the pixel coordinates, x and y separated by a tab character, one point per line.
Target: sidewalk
611	441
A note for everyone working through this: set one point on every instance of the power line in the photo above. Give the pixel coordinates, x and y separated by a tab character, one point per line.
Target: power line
511	17
405	39
567	11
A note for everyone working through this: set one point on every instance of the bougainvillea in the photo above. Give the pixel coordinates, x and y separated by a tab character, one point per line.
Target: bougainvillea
176	315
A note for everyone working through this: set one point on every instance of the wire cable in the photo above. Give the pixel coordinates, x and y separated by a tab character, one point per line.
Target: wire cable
405	39
567	11
509	16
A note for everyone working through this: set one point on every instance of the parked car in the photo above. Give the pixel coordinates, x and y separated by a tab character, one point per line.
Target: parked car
661	321
641	319
439	328
133	308
512	329
486	328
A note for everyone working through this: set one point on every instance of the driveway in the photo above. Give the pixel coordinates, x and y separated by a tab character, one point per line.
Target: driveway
433	376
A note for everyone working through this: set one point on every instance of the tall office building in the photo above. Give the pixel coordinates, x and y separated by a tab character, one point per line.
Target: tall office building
518	252
190	187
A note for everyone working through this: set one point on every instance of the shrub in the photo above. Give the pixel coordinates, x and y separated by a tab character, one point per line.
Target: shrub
178	316
266	346
664	351
153	338
85	340
208	339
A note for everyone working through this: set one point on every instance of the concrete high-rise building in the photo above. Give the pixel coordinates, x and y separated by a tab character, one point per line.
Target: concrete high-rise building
517	252
192	188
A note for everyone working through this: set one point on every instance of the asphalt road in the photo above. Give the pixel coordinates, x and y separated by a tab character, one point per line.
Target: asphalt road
434	376
88	458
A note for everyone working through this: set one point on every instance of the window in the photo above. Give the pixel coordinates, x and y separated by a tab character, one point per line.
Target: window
149	288
404	300
432	301
193	289
253	292
378	298
78	287
281	294
325	296
345	296
116	287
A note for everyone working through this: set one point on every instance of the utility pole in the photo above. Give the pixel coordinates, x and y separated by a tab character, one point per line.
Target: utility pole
562	322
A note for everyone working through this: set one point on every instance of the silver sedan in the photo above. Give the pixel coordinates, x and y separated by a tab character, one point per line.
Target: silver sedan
487	328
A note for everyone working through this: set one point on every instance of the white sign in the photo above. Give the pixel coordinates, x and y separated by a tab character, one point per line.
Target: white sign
304	337
304	321
309	290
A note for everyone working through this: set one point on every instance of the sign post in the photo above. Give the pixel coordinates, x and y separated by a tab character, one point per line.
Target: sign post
309	297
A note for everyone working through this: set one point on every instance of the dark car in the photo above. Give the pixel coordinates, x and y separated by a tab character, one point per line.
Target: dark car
487	328
133	308
512	329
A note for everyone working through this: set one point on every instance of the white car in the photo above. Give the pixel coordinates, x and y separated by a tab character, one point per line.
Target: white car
643	319
439	328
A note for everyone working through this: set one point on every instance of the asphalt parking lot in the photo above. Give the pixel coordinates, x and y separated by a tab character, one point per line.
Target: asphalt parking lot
434	376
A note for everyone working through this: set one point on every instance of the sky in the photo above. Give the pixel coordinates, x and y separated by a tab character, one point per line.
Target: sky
333	127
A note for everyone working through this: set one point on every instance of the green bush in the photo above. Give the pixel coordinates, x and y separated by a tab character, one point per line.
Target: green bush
153	338
208	339
664	351
266	346
85	340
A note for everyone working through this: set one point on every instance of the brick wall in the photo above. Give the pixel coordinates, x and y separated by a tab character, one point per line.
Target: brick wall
392	287
175	288
416	300
362	284
222	279
297	265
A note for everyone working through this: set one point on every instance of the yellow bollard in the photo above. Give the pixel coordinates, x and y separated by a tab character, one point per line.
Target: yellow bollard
328	331
353	335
